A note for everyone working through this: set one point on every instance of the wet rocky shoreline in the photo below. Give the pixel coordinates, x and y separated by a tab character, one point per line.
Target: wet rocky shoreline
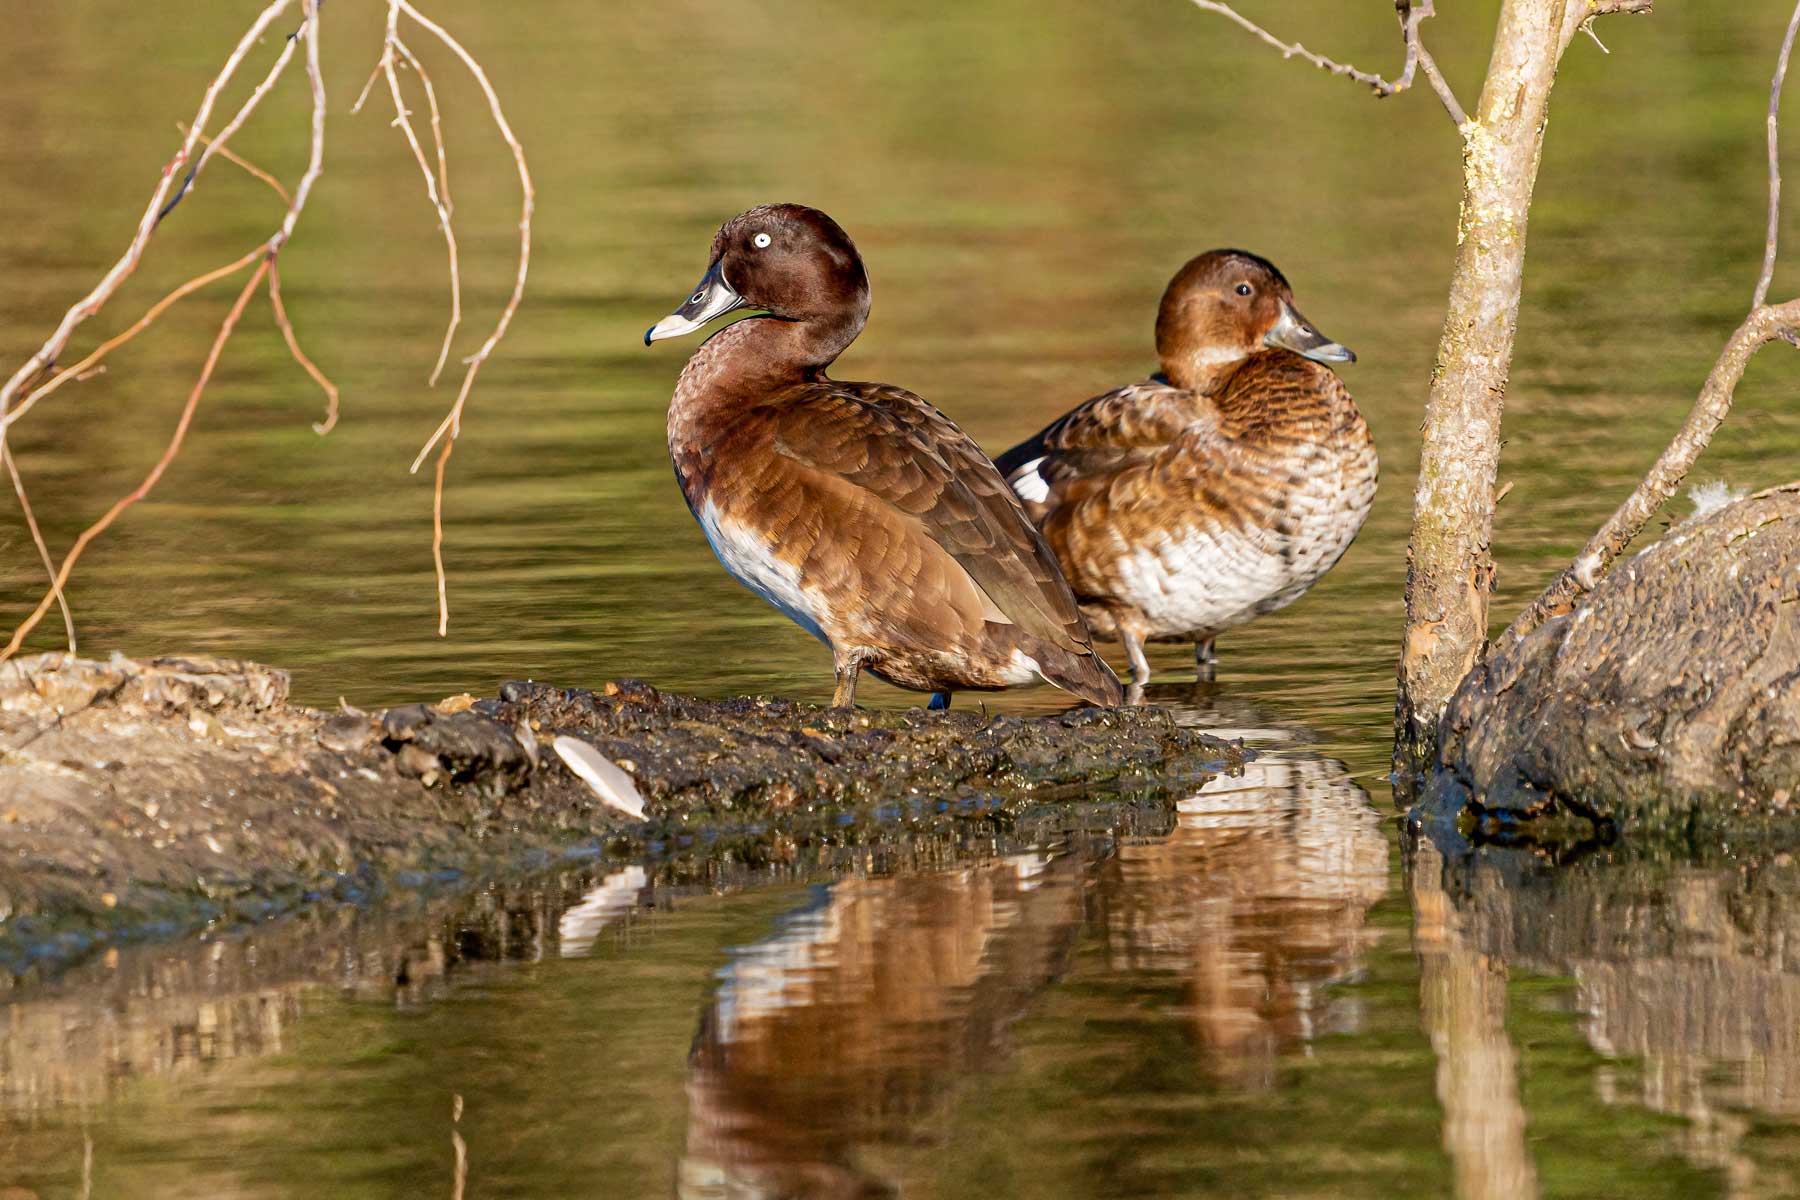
143	799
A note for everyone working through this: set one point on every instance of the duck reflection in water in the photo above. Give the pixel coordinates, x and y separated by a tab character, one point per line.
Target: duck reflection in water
838	1044
1259	898
845	1028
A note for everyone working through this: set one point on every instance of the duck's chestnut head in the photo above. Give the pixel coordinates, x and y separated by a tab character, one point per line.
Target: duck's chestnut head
1226	305
792	262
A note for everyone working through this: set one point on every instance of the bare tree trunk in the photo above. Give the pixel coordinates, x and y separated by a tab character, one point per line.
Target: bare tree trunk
1449	570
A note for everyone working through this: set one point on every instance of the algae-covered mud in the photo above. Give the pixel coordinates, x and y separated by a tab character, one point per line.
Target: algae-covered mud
149	798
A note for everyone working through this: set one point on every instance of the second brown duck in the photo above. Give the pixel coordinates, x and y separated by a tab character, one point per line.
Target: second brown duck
1218	490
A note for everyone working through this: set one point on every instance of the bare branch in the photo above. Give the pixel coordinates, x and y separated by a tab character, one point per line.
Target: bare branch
1761	327
43	549
1774	125
216	145
96	298
437	124
293	344
315	163
452	422
437	536
1411	13
93	531
82	368
1580	15
404	120
233	157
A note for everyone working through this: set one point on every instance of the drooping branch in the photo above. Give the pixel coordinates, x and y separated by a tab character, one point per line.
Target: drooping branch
451	425
39	377
103	291
156	472
1766	324
392	49
1411	13
37	540
1763	325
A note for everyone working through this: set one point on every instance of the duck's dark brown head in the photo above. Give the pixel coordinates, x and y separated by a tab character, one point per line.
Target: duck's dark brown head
1224	306
792	262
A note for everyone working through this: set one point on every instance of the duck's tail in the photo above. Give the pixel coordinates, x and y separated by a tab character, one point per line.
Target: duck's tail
1084	673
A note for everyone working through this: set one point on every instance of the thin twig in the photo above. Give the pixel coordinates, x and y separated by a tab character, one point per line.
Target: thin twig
368	86
437	124
437	537
452	423
1296	50
37	539
404	121
1579	18
93	531
293	344
233	157
216	145
315	163
81	369
1411	15
1761	327
1774	125
103	291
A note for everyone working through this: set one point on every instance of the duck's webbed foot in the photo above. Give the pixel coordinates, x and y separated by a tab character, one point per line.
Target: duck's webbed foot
940	701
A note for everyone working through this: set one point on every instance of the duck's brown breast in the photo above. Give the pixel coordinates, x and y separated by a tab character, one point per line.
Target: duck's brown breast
870	519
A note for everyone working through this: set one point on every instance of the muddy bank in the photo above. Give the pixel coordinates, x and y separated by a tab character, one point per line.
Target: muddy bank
148	798
1668	703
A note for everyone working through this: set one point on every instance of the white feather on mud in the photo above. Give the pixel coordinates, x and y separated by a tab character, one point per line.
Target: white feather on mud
605	778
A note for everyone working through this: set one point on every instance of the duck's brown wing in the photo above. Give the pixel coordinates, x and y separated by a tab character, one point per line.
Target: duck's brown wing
891	444
1101	437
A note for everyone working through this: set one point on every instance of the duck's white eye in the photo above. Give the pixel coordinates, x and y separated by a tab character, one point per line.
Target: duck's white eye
761	240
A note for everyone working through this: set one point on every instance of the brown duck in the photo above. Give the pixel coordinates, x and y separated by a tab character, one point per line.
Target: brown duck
1213	492
857	509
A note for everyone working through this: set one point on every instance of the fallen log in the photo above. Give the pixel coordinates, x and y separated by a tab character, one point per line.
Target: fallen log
143	798
1666	703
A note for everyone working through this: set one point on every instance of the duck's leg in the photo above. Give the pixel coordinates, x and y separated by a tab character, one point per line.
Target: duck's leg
849	666
1134	650
940	701
1206	660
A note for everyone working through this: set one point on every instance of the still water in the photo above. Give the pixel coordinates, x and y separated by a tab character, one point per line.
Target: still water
1272	996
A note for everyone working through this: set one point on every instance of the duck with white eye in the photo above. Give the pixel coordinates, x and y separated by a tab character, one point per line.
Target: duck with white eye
857	510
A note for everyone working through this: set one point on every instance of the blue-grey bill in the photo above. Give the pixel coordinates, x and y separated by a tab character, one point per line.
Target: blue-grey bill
1294	332
712	298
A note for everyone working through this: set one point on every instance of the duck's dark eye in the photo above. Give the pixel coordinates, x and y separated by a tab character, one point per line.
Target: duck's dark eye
1243	289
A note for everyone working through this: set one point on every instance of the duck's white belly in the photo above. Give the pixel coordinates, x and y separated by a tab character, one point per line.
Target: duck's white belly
1199	580
753	563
